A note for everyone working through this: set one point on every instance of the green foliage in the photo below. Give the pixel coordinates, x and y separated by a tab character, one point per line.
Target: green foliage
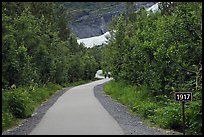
20	104
39	48
144	108
89	65
161	110
27	99
162	51
193	116
159	50
8	120
168	116
80	82
38	52
42	93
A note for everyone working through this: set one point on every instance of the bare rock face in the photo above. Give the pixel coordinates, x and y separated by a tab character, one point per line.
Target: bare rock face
89	22
92	26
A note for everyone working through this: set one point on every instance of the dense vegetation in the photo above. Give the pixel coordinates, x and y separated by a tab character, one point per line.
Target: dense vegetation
151	56
38	50
90	6
161	51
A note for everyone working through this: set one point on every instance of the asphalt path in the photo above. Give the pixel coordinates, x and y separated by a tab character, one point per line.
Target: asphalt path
78	112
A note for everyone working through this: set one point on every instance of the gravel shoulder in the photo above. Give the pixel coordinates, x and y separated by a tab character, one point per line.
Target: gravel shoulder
29	124
131	125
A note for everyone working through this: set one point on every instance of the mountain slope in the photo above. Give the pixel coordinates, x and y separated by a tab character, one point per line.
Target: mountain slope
91	19
102	39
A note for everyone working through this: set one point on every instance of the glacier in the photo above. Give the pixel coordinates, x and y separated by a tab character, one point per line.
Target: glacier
102	39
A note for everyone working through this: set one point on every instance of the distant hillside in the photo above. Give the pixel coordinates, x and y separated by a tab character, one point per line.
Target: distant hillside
92	18
73	6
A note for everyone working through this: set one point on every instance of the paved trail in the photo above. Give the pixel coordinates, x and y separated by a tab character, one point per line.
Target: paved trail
78	112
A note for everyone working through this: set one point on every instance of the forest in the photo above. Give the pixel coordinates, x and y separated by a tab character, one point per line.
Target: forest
39	48
39	55
158	54
150	56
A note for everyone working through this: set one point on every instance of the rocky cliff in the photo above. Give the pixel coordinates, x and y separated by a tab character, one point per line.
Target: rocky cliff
92	18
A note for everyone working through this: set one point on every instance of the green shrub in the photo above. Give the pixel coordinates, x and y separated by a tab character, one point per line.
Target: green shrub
53	87
20	104
7	120
5	96
145	108
168	117
162	110
193	112
41	94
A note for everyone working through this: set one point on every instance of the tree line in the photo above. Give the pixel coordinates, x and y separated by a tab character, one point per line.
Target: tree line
38	47
161	50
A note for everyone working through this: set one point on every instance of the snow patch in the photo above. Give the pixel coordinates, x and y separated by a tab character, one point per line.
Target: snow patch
93	41
102	39
154	7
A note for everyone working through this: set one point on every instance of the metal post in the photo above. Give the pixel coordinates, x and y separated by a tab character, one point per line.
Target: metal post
183	103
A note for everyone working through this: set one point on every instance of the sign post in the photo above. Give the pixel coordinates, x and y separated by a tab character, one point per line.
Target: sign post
183	113
183	97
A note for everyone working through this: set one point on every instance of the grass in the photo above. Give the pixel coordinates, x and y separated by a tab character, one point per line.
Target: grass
158	111
20	103
77	83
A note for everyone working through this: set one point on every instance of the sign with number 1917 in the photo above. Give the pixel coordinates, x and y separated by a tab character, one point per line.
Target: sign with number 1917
183	96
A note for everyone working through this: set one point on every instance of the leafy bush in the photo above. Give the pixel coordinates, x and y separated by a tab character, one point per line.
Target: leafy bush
20	104
7	120
161	110
38	47
168	117
162	51
145	108
193	114
41	94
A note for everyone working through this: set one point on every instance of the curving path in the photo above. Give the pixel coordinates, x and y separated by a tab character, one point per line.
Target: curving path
78	112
